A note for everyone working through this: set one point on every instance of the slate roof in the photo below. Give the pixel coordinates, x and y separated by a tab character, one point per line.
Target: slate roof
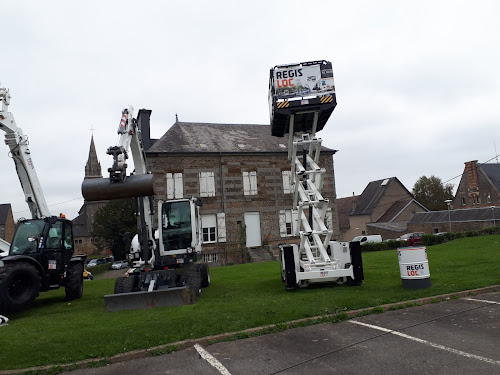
344	206
493	172
4	213
189	137
369	198
395	226
461	215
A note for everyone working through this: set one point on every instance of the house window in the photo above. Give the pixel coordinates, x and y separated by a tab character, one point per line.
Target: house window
463	201
209	258
207	184
209	228
287	222
250	183
488	198
174	186
287	181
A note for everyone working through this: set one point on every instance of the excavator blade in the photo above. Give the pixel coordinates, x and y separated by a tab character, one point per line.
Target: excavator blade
98	189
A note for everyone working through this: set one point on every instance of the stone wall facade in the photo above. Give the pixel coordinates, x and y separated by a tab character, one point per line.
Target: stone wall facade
230	200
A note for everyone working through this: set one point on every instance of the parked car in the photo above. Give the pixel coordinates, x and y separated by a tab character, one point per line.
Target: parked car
119	264
412	238
96	262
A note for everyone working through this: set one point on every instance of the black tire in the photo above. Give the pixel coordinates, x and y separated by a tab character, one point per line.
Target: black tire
130	284
19	286
74	281
192	275
119	285
205	275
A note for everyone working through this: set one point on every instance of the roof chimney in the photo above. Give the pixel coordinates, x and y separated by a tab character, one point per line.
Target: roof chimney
143	123
471	175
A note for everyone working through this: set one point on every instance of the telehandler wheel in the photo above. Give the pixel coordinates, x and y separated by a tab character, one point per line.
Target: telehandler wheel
205	275
74	281
19	286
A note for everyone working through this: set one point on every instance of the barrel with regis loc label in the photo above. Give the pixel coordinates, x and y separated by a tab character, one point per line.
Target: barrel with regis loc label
414	267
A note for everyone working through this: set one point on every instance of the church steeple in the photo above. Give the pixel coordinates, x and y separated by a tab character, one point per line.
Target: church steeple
93	167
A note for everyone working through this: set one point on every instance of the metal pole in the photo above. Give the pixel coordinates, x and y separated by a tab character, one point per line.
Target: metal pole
448	202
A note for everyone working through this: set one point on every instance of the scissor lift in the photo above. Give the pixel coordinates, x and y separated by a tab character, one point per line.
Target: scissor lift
306	108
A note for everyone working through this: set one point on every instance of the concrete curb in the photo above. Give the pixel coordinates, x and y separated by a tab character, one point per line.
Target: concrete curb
205	341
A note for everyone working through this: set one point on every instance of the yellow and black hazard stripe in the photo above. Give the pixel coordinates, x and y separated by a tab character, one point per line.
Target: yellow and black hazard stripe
284	104
326	99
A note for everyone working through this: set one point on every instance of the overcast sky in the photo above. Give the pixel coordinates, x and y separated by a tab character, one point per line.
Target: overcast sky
417	82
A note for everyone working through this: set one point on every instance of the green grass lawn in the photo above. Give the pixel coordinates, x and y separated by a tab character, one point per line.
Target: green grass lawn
241	296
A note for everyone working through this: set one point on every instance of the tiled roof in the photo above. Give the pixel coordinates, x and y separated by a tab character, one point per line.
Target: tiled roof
462	215
395	226
209	138
493	172
369	198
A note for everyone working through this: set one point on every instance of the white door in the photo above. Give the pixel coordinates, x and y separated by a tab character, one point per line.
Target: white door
252	223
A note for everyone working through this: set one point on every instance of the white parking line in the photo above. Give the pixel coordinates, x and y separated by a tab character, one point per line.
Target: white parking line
437	346
482	300
212	360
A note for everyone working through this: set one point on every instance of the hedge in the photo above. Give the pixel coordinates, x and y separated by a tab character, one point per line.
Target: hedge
430	239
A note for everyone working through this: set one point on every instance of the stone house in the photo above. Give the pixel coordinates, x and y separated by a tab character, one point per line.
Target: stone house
384	207
479	186
7	225
242	174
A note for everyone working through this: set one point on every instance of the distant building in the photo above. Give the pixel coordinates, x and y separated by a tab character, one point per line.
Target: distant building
82	224
479	186
7	225
384	208
242	173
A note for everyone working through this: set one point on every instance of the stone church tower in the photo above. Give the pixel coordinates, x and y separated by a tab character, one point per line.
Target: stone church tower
82	225
93	167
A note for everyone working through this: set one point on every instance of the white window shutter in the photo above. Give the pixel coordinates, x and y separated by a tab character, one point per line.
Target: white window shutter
179	188
295	220
203	184
221	226
211	184
246	183
253	182
170	186
286	175
329	218
282	222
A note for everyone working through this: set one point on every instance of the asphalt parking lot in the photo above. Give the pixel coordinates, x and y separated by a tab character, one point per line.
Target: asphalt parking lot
457	336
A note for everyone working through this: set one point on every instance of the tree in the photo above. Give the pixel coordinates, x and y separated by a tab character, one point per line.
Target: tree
431	193
111	222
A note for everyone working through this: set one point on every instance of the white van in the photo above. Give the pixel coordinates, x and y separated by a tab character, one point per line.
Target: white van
372	238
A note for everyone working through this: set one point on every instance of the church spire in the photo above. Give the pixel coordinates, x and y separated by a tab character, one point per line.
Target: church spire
93	167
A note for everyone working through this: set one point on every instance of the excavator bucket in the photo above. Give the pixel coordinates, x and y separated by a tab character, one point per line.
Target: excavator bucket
97	189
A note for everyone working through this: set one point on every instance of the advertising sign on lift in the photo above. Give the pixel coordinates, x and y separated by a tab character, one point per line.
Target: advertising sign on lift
301	80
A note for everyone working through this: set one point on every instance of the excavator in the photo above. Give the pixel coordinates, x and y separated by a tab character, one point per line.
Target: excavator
166	268
40	257
301	99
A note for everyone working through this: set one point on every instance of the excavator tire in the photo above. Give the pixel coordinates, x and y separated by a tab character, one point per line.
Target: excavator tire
192	276
119	285
19	286
205	275
127	284
74	281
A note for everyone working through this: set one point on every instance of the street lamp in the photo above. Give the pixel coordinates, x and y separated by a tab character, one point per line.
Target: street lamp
493	211
448	202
